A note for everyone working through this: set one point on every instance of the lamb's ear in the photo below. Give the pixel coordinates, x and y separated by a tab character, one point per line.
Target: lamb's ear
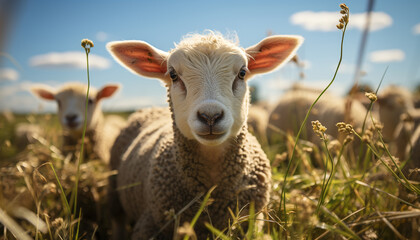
107	91
272	52
43	92
140	57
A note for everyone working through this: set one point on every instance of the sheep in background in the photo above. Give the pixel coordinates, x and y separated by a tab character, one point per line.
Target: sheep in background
202	142
394	102
257	120
71	100
26	133
400	119
292	107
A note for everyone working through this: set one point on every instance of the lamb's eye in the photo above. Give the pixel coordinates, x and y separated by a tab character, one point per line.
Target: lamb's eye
242	73
173	75
90	101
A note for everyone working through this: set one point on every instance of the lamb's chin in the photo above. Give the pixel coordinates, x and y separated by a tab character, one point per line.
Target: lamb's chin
211	139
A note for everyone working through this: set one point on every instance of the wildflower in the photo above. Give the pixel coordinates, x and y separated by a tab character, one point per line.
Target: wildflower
344	20
372	97
319	129
345	128
87	44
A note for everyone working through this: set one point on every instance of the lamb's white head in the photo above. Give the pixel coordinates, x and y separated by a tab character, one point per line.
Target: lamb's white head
207	78
71	101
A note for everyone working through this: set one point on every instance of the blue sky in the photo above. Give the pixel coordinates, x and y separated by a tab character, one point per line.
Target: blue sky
38	29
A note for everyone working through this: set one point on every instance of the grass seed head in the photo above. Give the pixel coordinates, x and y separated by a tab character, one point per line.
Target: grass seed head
345	128
87	44
319	129
344	20
372	97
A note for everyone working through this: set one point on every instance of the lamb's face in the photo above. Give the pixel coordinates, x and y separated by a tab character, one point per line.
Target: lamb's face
71	101
206	77
209	94
71	105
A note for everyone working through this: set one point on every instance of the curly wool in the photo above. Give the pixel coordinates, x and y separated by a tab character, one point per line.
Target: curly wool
164	171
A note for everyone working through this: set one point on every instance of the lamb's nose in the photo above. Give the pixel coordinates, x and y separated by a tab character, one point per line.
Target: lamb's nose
210	119
71	118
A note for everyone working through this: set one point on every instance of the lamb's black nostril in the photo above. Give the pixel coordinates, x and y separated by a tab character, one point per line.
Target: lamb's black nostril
203	117
217	117
71	118
210	120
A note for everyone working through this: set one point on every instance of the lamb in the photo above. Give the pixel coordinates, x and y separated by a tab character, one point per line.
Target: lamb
167	157
291	110
71	100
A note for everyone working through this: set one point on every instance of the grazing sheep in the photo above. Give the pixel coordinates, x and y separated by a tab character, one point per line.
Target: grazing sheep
413	149
257	120
400	119
171	157
71	100
26	133
291	110
394	102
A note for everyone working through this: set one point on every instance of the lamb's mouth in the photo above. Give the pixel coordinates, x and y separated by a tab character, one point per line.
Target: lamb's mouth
73	125
211	136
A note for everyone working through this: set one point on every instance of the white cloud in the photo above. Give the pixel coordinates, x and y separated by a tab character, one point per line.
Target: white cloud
378	21
122	103
17	98
416	29
69	60
101	36
327	21
15	88
8	74
391	55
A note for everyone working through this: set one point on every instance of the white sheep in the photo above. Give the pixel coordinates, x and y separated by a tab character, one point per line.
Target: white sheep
26	134
394	102
257	120
71	100
168	158
292	108
400	119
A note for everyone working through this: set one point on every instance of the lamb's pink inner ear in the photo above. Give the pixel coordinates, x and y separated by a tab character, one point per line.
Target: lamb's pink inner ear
43	93
106	92
140	57
272	52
